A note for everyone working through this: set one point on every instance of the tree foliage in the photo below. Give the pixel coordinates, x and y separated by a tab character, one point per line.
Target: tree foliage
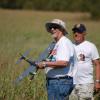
91	6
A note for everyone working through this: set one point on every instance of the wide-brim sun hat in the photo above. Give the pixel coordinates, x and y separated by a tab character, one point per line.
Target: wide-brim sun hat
56	22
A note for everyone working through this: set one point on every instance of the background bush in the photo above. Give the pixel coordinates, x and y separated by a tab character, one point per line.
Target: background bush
91	6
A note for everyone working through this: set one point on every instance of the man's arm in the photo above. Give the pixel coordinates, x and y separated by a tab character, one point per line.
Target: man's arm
56	64
97	71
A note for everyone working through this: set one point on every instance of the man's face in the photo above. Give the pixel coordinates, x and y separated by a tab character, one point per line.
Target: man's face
78	37
55	32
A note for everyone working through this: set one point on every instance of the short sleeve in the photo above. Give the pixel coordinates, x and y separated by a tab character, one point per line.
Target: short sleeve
95	54
63	52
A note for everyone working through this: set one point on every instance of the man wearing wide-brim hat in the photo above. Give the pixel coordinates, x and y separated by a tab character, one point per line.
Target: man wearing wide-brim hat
60	64
56	23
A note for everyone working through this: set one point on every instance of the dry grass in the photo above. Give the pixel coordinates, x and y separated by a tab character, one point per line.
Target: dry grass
21	30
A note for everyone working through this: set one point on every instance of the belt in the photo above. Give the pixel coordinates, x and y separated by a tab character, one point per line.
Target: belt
57	78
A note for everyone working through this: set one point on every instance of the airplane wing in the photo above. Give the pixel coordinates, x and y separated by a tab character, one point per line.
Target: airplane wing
30	70
33	69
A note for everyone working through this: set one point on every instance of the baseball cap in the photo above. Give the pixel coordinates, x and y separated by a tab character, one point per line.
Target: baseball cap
56	23
80	28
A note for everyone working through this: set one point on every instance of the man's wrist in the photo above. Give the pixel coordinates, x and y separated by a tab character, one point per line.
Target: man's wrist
97	81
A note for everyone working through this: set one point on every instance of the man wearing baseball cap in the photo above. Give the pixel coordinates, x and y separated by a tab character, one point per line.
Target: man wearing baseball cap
59	67
87	56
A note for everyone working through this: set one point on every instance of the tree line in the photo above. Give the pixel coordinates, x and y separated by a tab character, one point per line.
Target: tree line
91	6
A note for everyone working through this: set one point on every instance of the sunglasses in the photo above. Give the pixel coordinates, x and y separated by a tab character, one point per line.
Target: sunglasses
54	27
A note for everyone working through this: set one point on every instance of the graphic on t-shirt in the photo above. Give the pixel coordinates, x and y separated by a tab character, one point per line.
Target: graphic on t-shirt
82	57
51	57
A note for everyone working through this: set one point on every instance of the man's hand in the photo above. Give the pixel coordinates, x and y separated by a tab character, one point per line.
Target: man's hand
97	86
96	89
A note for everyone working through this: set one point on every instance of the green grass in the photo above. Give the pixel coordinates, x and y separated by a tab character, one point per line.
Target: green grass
21	30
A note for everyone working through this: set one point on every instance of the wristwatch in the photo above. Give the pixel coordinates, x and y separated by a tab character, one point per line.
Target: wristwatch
98	81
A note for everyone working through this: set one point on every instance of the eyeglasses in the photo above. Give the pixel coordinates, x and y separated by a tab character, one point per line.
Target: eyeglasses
54	27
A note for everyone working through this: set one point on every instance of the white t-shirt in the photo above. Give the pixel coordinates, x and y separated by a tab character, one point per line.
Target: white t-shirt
86	52
63	50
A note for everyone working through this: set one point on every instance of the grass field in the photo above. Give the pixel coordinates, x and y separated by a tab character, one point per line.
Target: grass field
21	30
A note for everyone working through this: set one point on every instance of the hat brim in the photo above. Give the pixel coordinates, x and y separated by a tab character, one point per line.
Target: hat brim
78	30
49	25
